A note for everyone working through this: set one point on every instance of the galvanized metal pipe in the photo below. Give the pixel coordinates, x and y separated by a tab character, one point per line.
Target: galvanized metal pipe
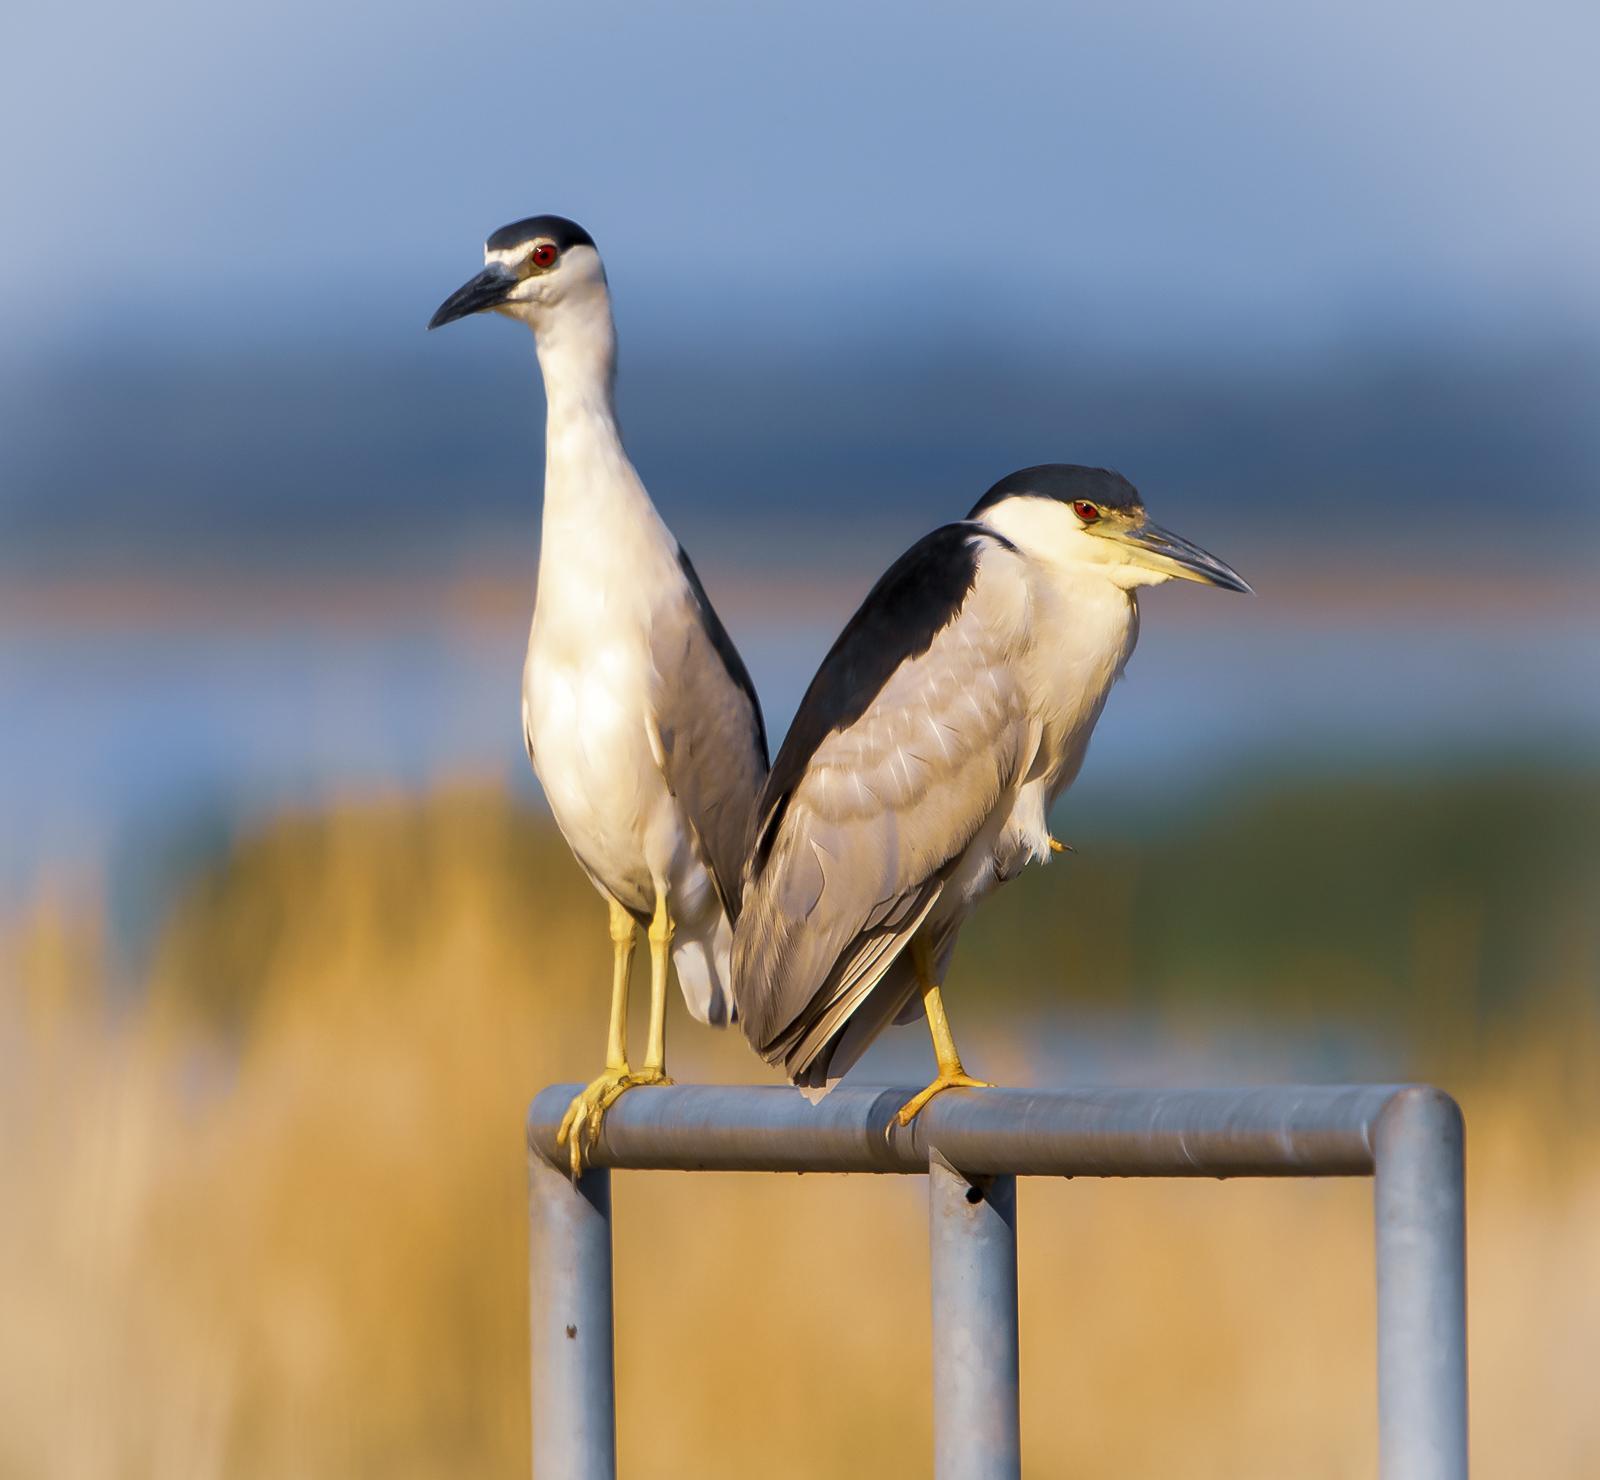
1409	1135
1420	1207
972	1227
1278	1131
569	1299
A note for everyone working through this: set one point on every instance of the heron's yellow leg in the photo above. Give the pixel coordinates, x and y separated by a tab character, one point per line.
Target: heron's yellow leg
623	933
1057	846
581	1123
951	1075
655	1051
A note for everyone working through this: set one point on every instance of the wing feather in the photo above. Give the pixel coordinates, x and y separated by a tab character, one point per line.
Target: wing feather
709	736
851	862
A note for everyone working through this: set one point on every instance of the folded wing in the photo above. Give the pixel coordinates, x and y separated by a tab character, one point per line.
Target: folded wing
713	741
911	734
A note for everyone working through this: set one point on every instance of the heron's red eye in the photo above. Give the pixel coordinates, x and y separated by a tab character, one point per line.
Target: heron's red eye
544	254
1086	511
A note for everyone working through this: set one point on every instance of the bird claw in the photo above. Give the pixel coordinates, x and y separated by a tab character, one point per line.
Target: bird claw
918	1102
1057	846
580	1126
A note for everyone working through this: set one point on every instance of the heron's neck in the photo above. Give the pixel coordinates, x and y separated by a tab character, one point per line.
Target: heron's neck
589	483
584	463
576	349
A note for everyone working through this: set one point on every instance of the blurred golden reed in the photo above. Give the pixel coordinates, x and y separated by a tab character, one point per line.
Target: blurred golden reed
264	1217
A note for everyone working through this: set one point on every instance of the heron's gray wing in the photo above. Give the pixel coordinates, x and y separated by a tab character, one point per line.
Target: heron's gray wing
849	863
708	722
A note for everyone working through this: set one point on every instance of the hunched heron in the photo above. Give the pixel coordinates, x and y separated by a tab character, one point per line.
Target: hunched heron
918	774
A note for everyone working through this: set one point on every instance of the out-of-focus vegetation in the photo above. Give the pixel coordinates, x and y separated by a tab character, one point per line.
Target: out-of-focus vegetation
264	1216
1441	904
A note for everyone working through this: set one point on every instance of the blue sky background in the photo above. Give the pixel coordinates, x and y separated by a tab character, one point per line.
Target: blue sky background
1144	171
1254	255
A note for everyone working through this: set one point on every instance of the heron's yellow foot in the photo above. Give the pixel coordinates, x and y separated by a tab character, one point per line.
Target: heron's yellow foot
1057	846
580	1126
957	1080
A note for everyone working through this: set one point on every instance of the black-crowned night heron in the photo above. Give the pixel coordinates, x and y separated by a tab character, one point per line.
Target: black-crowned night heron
640	718
922	763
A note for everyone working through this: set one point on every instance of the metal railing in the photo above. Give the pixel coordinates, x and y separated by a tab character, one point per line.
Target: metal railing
972	1146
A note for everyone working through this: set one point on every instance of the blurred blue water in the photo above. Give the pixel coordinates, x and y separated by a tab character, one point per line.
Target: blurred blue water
121	752
389	452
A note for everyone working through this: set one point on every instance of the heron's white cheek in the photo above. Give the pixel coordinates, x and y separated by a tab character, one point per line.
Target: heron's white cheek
1129	577
1123	566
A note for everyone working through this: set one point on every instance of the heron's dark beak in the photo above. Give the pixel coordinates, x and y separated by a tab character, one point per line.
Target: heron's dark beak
1162	550
489	289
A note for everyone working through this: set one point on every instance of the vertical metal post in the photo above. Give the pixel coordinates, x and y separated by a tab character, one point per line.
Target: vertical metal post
973	1240
1419	1199
569	1293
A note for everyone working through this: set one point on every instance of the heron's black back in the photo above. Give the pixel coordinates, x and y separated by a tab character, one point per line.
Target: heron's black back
911	603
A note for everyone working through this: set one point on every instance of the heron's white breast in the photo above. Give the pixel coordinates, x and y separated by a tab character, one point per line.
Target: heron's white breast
1081	635
1080	631
606	565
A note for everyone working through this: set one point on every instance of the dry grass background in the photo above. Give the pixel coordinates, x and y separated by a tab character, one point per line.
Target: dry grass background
264	1217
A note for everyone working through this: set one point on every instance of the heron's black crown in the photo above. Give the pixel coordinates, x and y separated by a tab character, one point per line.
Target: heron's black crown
562	232
1065	482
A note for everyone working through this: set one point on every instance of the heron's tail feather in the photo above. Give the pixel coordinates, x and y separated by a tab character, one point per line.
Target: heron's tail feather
701	961
861	997
885	1003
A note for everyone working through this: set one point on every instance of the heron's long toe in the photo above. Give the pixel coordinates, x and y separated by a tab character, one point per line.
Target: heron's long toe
580	1126
914	1106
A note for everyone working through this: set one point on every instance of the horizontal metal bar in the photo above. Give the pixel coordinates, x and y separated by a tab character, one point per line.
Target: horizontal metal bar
1272	1131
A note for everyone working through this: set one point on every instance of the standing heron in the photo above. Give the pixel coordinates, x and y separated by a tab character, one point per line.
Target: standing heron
920	769
640	719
